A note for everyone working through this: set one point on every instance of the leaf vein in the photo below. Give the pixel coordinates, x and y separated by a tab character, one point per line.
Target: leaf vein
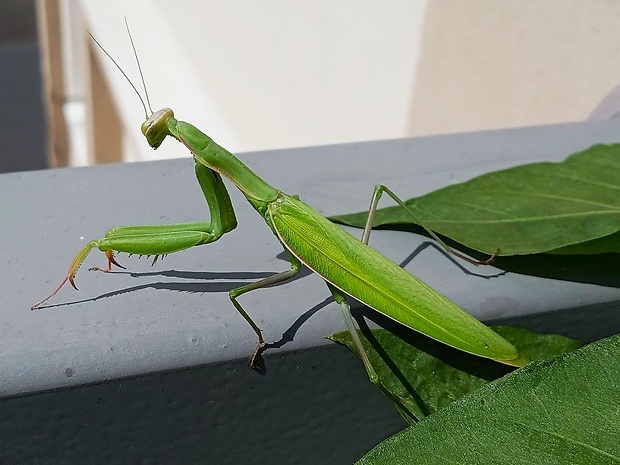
569	440
522	219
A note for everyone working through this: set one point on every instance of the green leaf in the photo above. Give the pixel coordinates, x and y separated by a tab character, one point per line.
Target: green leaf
426	376
558	411
602	245
568	207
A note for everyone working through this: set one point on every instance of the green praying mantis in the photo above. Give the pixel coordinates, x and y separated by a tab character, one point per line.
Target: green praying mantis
350	267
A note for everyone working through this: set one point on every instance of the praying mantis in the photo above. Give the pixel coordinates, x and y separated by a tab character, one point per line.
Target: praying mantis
349	266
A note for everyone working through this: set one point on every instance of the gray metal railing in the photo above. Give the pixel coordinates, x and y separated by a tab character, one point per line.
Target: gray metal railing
311	405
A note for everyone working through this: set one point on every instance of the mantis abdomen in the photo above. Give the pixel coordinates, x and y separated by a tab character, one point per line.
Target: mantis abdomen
363	273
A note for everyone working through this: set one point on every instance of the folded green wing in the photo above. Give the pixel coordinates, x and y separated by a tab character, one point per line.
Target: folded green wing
365	274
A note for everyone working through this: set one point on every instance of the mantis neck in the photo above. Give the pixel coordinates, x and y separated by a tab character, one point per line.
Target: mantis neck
208	153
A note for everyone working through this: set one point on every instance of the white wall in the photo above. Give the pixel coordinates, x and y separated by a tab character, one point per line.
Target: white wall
267	74
263	74
487	64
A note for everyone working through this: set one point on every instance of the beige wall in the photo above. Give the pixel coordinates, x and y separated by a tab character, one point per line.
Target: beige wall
504	63
263	74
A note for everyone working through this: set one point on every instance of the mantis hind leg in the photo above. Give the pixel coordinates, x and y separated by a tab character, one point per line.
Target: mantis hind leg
341	299
379	190
266	282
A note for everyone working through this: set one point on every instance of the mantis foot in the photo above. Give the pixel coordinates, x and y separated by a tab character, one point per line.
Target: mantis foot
473	261
111	261
256	354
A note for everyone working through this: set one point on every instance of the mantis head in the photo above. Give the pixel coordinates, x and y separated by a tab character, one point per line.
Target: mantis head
155	128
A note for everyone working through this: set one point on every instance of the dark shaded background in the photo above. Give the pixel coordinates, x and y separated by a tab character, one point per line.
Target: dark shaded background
22	119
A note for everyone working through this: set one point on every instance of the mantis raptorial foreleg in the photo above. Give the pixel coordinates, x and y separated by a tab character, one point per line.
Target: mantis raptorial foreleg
158	240
372	211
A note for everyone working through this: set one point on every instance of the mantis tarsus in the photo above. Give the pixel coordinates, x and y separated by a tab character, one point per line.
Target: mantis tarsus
348	266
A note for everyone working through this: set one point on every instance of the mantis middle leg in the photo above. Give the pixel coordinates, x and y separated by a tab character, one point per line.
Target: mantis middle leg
266	282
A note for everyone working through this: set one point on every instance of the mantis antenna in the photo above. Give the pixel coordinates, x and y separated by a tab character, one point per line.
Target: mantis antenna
135	53
123	72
